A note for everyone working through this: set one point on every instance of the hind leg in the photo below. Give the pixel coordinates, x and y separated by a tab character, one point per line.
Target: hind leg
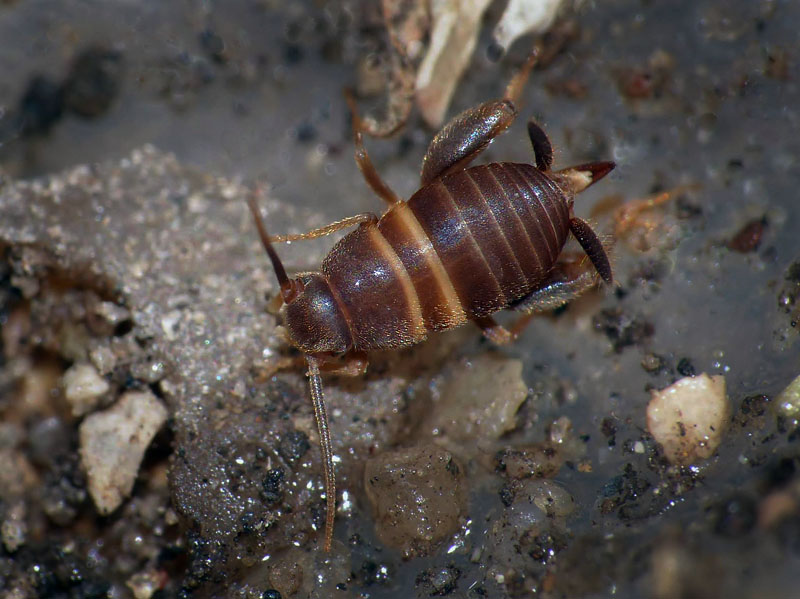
572	276
470	133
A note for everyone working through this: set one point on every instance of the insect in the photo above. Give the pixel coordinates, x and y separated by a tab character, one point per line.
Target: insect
471	241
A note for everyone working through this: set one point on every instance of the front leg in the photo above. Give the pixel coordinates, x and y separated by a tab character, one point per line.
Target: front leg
352	364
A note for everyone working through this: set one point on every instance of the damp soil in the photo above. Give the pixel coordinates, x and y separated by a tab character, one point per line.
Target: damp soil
130	136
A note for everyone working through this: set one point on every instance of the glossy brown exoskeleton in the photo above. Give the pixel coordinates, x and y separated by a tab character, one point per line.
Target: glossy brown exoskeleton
471	241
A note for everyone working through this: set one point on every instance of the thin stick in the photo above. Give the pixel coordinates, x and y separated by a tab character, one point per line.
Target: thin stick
317	398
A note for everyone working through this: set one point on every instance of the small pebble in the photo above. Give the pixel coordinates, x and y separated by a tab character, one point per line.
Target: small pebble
479	401
418	497
789	399
143	585
530	461
14	529
103	359
545	495
689	417
112	445
652	363
83	387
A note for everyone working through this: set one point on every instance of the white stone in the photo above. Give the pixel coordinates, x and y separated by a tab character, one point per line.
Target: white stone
689	417
478	400
112	445
454	35
789	399
83	387
525	16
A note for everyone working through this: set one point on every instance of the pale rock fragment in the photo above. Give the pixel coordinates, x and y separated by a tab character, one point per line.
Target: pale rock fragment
112	445
14	528
83	387
456	24
789	399
688	418
144	585
478	402
524	16
418	495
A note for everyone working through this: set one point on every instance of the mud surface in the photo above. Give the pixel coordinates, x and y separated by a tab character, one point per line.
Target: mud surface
130	135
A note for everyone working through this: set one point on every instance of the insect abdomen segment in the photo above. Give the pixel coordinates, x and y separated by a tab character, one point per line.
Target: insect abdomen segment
463	247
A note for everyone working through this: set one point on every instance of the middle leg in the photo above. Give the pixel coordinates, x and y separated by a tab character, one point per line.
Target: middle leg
371	175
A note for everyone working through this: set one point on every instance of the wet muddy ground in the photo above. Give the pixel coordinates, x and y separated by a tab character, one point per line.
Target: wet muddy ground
147	451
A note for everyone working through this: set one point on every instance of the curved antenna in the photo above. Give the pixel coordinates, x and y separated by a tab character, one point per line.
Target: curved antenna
288	290
320	414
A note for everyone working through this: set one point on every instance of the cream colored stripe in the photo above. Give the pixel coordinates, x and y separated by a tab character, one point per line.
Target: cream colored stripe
433	261
387	251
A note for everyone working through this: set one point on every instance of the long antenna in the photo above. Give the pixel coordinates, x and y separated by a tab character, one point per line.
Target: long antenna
287	288
317	398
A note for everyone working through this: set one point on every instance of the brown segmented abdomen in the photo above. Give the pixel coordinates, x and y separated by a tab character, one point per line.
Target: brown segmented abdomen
498	229
465	246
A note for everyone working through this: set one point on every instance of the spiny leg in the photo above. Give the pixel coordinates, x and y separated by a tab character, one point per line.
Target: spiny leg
371	175
518	81
470	133
569	278
274	366
628	215
352	364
